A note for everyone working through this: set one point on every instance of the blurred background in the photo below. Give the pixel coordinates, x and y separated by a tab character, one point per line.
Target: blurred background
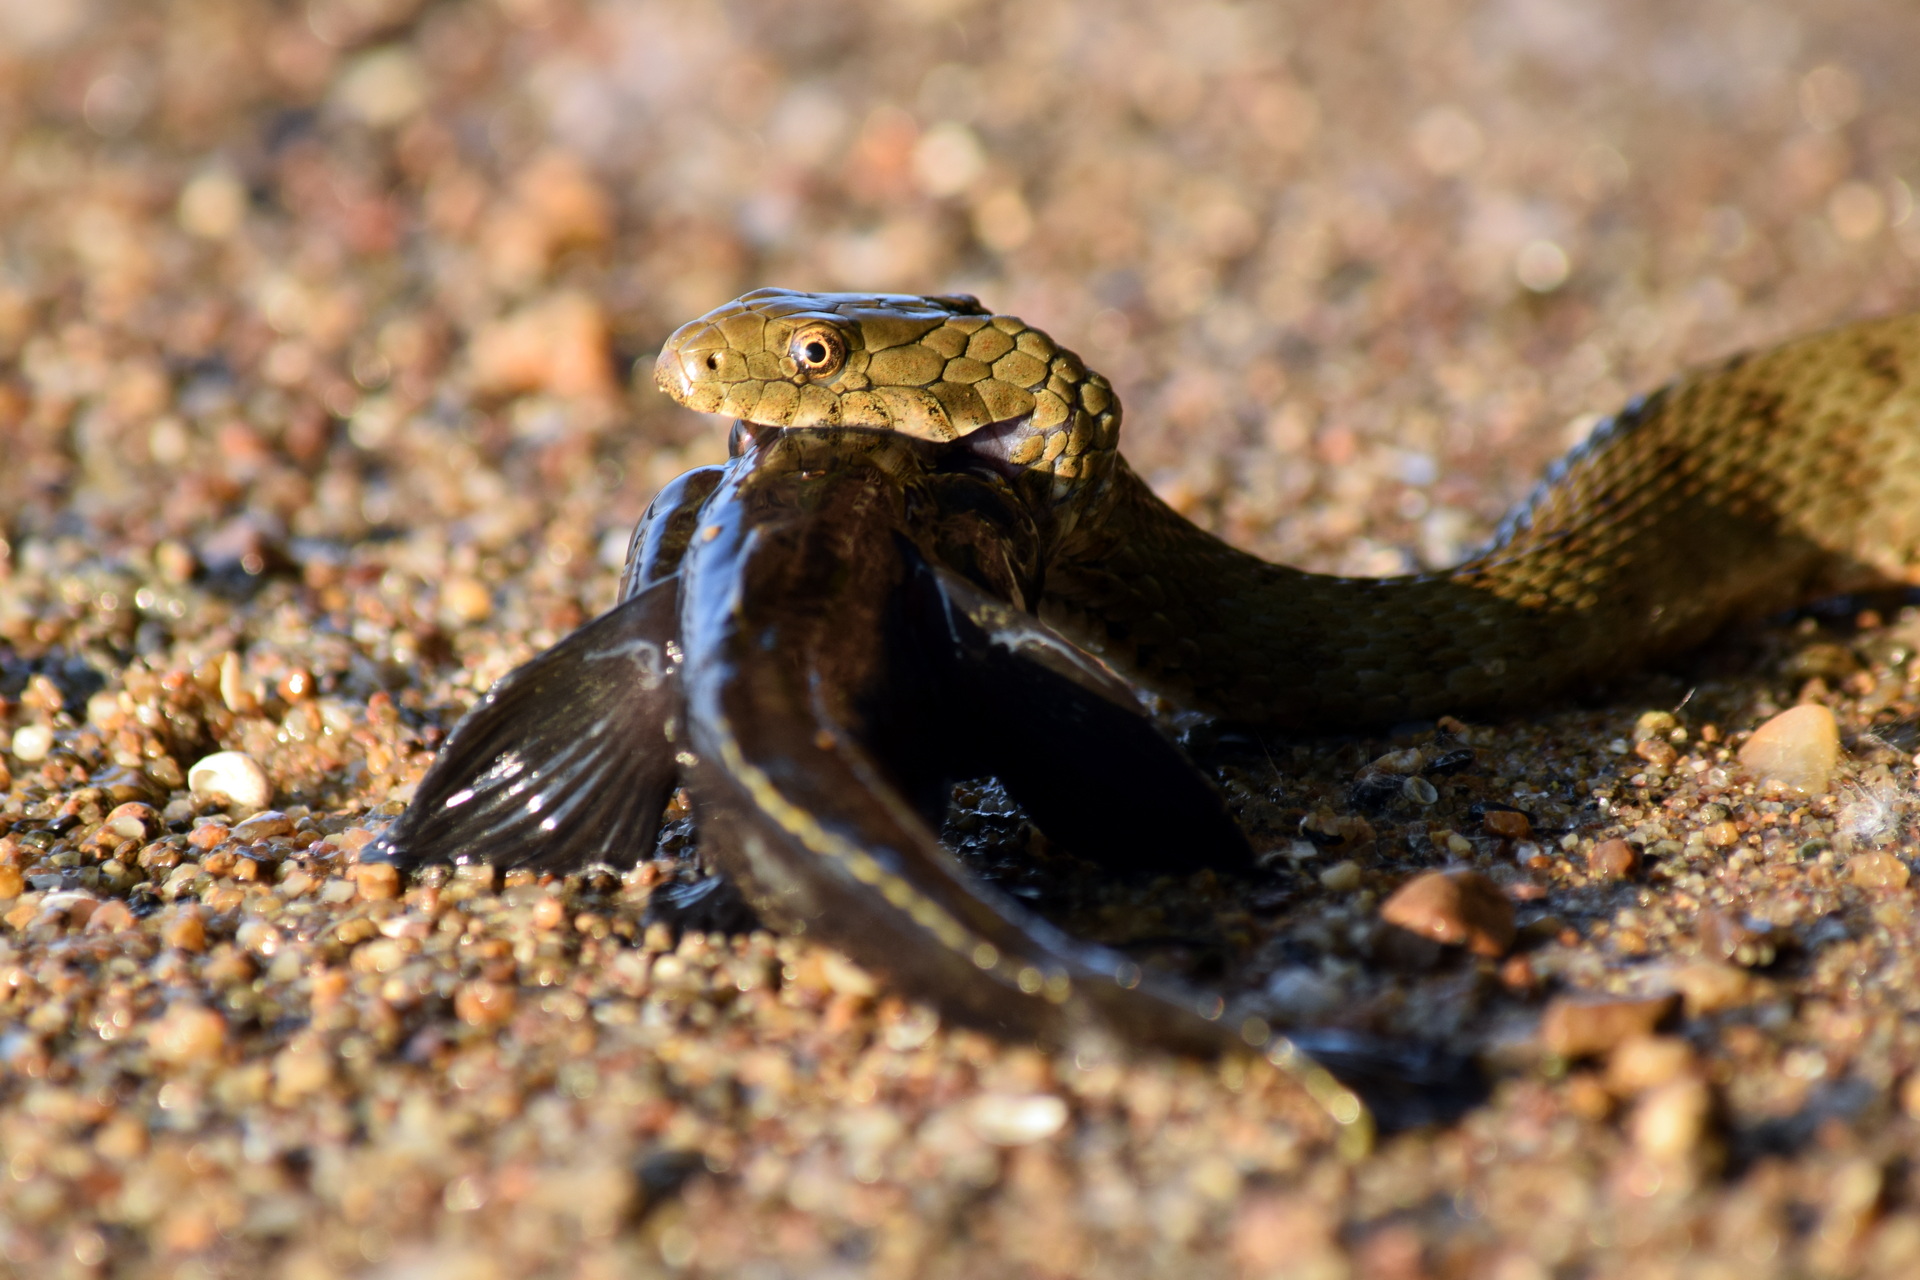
296	275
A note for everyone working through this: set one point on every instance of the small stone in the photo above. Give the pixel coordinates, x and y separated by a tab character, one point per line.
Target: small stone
213	204
301	1069
1508	824
31	743
133	821
1670	1123
121	1139
209	835
1421	792
74	908
1613	859
382	87
375	880
466	600
1459	908
1799	748
1721	835
263	826
1407	761
1345	832
1579	1027
111	917
558	344
549	913
1342	877
1656	751
232	774
1654	724
1014	1120
12	883
258	937
1878	871
1640	1063
354	839
186	930
1710	986
484	1004
188	1033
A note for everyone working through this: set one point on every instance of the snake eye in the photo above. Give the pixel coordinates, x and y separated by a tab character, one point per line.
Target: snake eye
819	350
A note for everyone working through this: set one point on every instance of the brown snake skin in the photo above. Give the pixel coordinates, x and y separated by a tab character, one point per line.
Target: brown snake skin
1738	490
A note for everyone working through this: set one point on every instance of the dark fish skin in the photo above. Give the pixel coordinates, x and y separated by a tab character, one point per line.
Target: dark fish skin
817	639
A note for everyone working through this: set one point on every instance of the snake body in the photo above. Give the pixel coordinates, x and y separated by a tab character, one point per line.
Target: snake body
1739	490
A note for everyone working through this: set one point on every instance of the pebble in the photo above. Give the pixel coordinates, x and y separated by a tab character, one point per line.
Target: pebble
209	835
1640	1063
1459	908
188	1033
466	599
187	930
263	826
1581	1026
484	1004
233	774
1878	871
133	821
1613	859
12	883
110	917
1344	832
557	344
1409	760
31	743
1342	877
1722	834
1508	824
1670	1122
376	880
1799	748
1710	986
1014	1120
303	1068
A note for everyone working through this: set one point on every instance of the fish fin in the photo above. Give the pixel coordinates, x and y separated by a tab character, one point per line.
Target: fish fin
1065	735
566	761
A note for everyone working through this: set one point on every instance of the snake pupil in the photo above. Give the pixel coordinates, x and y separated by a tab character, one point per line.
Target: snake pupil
816	353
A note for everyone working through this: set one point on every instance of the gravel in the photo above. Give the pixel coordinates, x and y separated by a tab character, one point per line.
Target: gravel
325	356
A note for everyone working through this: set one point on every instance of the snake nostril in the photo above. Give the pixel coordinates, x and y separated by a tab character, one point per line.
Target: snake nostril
713	361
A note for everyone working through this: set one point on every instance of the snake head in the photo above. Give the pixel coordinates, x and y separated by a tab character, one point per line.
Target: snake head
940	368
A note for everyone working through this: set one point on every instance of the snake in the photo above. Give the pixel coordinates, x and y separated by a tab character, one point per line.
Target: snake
927	560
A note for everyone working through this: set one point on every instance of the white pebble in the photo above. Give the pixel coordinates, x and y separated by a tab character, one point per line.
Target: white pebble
31	743
234	775
1015	1119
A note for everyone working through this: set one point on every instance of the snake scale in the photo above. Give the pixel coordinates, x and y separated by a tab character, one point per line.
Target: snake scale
927	562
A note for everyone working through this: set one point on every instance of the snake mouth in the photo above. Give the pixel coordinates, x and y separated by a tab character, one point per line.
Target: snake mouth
996	443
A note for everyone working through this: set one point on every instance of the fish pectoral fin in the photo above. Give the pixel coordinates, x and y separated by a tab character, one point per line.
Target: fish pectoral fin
566	761
1065	736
